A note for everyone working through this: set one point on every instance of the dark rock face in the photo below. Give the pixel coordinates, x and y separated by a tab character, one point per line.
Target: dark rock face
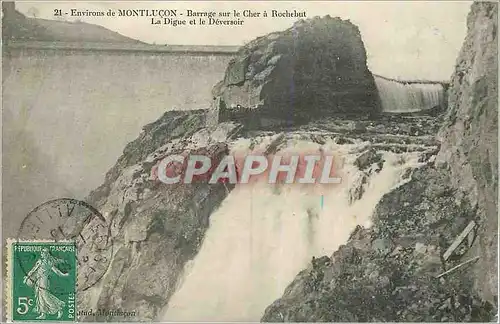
315	68
470	135
155	228
172	125
368	158
388	272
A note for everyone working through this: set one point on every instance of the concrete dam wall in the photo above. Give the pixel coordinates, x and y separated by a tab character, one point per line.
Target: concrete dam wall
409	96
68	114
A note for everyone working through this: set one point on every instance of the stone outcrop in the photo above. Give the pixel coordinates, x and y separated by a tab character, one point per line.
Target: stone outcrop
315	68
154	228
470	135
394	270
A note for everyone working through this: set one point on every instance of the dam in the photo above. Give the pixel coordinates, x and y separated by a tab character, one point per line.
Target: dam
409	96
69	111
60	99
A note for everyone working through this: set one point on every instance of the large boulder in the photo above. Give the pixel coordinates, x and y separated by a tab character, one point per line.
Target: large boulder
315	68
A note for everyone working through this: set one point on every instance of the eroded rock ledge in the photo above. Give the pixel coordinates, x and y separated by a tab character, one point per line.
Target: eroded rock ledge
154	228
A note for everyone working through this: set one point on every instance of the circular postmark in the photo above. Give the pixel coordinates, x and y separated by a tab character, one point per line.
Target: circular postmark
67	219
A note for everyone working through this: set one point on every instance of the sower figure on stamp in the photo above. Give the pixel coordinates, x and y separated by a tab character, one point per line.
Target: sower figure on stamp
38	278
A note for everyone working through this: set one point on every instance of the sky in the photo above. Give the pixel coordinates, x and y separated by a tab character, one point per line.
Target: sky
403	39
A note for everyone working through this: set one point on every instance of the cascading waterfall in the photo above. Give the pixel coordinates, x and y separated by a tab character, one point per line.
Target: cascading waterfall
262	236
403	97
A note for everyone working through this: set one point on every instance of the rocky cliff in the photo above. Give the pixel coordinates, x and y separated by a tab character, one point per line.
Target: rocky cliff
396	271
154	228
314	68
389	272
470	136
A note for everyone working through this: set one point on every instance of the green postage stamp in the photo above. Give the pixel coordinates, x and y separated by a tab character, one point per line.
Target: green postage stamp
42	281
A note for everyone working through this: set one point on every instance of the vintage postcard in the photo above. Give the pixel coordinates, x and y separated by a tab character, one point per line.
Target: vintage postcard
249	161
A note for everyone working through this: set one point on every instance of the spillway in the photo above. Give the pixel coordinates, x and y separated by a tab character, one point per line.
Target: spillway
405	97
262	236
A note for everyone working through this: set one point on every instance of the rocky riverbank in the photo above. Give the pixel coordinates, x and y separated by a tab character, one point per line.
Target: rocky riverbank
395	270
388	272
157	228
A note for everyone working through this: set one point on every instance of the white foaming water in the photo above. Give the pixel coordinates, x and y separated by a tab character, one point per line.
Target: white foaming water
400	97
261	237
